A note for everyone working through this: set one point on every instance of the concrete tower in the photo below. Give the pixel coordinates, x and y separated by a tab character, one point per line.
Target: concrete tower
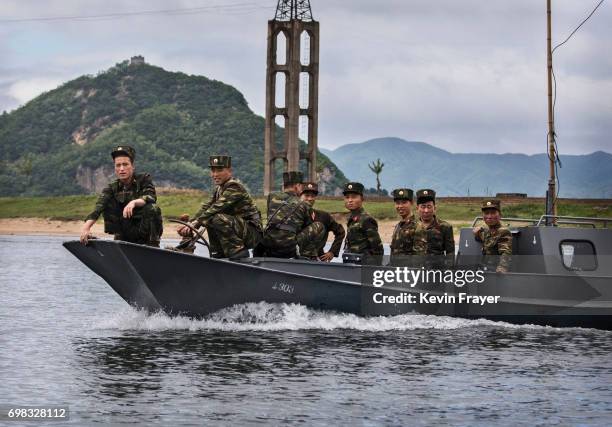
292	24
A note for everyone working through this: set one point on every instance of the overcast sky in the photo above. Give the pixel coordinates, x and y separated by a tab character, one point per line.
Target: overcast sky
466	76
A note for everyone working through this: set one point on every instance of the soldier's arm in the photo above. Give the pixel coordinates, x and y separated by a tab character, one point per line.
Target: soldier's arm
504	249
478	233
147	191
370	227
339	234
449	240
230	197
91	219
102	201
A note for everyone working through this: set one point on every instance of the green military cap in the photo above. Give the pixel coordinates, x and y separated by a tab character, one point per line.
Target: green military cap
491	204
220	162
124	150
353	187
292	177
425	195
311	187
402	194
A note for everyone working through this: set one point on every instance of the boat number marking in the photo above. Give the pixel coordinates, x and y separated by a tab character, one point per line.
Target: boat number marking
283	287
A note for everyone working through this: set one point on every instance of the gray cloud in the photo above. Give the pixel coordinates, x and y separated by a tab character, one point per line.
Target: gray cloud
465	76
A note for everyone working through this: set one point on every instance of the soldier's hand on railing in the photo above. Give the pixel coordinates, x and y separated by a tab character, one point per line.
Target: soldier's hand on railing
86	231
326	257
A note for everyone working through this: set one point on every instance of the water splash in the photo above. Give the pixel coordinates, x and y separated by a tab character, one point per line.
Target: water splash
277	317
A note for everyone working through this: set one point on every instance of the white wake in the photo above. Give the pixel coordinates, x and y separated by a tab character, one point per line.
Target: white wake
278	317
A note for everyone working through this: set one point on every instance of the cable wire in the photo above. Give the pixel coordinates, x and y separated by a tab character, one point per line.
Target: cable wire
228	8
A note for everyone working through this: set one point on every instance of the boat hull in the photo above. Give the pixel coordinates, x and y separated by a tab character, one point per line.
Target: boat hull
191	285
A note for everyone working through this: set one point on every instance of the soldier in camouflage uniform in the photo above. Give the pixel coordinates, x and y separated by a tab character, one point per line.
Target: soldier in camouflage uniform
402	242
289	223
322	220
231	218
496	240
361	230
432	236
128	204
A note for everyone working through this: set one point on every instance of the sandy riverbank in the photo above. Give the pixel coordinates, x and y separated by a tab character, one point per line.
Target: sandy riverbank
42	226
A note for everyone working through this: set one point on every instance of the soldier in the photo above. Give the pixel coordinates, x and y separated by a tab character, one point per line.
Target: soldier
432	236
403	234
496	240
288	223
128	204
309	195
361	230
231	218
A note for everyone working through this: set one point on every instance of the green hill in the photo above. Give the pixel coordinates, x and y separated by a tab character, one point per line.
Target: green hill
59	143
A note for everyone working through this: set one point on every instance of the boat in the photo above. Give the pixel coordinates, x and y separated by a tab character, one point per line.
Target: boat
560	276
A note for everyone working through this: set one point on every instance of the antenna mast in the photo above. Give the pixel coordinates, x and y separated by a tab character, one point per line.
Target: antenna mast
551	193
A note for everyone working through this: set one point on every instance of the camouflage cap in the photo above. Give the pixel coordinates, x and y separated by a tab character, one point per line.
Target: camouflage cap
491	204
425	195
124	150
220	162
353	187
311	187
402	194
292	177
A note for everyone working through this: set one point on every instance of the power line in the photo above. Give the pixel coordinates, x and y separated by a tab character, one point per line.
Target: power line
233	8
578	27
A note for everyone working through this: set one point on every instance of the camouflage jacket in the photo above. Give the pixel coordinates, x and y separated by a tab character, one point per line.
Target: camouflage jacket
230	198
287	216
496	242
435	239
362	234
402	242
330	225
117	195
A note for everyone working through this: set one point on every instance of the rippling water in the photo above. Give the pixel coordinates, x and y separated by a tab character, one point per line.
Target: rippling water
67	338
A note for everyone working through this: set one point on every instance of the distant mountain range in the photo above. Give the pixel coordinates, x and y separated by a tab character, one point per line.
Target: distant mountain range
420	165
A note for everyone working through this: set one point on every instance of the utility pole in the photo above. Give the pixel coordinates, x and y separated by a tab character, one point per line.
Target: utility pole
551	193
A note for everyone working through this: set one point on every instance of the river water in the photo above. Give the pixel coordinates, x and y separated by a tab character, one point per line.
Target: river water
67	339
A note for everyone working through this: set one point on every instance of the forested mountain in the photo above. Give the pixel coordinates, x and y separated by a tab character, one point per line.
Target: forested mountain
420	165
59	143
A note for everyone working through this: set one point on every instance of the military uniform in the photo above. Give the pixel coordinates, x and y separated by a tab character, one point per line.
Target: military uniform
402	242
145	226
496	241
323	224
435	238
361	230
289	223
231	218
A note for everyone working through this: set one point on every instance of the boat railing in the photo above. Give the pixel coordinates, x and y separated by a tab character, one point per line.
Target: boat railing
575	220
509	219
567	220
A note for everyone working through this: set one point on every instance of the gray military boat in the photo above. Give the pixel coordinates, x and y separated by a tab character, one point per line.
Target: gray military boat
560	273
560	276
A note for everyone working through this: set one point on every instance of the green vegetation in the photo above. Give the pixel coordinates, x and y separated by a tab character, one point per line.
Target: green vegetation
58	143
175	203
